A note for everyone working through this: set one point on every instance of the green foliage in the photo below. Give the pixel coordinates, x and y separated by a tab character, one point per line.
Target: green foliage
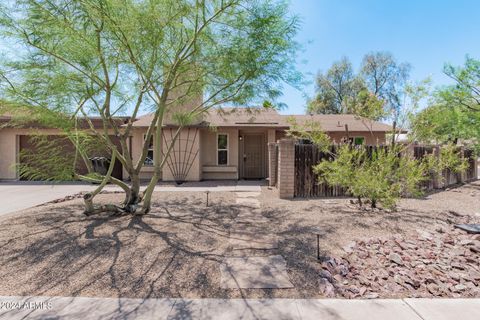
311	131
47	162
369	106
383	175
454	112
375	92
48	159
442	123
466	91
449	158
385	78
380	176
335	89
241	51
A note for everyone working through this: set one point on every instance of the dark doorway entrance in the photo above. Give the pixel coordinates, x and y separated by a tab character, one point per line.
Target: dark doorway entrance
253	156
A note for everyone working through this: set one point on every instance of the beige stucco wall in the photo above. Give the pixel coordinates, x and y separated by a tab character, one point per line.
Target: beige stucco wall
204	165
184	156
8	154
370	139
187	143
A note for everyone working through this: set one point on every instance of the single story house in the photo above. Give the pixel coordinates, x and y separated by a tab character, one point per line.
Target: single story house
226	144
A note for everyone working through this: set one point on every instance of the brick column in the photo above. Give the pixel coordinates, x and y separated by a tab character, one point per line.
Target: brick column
272	164
286	168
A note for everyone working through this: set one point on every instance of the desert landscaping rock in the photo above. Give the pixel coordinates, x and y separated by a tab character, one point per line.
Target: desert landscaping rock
395	257
471	228
444	264
255	272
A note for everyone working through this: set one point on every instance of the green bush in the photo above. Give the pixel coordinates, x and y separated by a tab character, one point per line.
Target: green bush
380	176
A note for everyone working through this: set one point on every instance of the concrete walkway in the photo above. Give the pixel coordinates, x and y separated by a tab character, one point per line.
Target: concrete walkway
22	195
223	309
250	264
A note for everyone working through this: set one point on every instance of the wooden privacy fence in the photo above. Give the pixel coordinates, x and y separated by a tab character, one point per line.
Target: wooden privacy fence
306	181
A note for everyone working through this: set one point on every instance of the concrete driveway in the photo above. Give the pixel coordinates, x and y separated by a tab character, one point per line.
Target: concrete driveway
21	195
18	196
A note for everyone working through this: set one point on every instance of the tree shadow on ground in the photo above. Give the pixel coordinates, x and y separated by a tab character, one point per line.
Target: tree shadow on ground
174	252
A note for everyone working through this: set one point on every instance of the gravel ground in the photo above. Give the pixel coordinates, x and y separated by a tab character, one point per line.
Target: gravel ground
340	221
176	250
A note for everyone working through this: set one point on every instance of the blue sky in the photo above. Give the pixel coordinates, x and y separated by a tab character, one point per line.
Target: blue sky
425	33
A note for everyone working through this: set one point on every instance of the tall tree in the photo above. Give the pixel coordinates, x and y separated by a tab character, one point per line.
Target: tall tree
443	123
111	57
375	92
466	91
336	89
385	78
453	115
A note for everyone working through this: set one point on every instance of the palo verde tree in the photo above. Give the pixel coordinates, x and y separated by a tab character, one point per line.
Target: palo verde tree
125	57
453	114
466	91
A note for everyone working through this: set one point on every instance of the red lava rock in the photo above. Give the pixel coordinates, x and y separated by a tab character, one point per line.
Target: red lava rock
459	287
362	291
326	288
441	264
473	274
457	266
475	248
395	257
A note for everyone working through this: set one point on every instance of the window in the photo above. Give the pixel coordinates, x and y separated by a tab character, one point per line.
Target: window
305	141
359	141
149	158
222	149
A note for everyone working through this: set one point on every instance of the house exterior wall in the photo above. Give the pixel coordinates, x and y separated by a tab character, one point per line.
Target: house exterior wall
208	155
8	153
10	148
138	134
204	166
184	156
370	138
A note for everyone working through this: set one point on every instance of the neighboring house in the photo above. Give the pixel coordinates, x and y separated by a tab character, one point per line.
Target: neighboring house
227	144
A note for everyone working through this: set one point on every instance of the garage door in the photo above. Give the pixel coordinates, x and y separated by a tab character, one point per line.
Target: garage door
34	153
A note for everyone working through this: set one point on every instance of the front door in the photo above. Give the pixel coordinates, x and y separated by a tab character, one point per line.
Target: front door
253	156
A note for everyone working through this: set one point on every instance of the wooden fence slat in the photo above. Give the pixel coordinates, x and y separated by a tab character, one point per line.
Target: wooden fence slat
308	155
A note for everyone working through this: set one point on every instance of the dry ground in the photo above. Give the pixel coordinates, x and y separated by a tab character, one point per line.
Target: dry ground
175	251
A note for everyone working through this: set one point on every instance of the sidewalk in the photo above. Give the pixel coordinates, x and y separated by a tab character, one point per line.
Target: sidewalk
222	309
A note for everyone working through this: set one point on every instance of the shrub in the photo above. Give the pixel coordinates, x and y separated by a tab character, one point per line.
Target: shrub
380	176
